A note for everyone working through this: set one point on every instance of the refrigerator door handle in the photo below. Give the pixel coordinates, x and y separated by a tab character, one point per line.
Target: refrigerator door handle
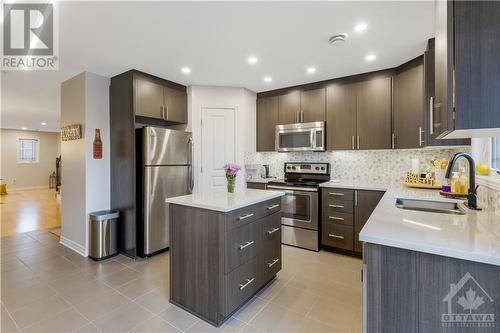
191	173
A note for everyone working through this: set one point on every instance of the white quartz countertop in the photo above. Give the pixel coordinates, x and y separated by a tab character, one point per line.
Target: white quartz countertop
225	202
474	236
356	184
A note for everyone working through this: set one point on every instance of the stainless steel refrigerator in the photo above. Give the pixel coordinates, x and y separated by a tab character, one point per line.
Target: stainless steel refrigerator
167	157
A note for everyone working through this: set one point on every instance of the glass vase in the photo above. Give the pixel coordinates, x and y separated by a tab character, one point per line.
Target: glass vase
230	184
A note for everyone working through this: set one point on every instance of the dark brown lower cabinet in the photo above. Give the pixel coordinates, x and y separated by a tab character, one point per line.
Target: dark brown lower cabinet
415	292
365	203
344	212
220	260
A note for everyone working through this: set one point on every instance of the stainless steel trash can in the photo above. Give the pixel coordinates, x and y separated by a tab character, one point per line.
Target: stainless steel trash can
103	234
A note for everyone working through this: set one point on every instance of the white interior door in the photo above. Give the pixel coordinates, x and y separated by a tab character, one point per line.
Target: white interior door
217	131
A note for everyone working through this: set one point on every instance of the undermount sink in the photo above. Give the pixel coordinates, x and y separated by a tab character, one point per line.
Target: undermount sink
430	206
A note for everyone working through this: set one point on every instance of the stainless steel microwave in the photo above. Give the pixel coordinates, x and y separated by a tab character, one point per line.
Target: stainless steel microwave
300	137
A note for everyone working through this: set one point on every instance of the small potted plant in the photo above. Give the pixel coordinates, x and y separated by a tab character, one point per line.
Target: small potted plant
231	170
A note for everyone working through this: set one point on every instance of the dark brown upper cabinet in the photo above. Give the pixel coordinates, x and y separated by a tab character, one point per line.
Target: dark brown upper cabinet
159	100
175	105
408	109
289	108
148	99
267	119
429	110
466	67
302	106
373	125
312	105
341	116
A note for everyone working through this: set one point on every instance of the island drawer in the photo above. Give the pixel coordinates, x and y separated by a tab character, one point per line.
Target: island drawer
271	228
332	216
337	235
270	207
240	284
337	194
242	244
243	216
338	206
270	260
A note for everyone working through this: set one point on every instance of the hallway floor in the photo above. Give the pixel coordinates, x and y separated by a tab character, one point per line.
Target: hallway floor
49	288
24	211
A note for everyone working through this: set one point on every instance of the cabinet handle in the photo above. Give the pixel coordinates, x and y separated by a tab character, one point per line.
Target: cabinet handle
249	281
271	264
240	218
355	198
431	115
162	108
336	236
336	218
167	112
353	143
420	140
273	206
297	116
272	231
336	206
336	193
357	141
301	116
247	244
393	141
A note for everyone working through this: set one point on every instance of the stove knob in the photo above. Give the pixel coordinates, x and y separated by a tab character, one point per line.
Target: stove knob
317	168
322	168
288	167
293	168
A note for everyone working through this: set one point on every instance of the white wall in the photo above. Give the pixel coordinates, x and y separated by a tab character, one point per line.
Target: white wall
73	230
85	181
243	101
23	176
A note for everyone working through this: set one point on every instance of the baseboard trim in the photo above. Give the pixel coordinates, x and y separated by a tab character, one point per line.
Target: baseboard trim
17	189
73	246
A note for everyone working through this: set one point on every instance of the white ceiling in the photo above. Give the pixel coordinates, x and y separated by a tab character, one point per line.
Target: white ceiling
214	40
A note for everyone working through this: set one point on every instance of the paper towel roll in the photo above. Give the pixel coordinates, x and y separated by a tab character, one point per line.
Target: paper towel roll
415	165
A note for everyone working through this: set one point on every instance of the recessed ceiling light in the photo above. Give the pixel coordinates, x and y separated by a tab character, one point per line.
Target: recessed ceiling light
43	123
370	57
252	60
360	27
186	70
268	79
311	70
24	128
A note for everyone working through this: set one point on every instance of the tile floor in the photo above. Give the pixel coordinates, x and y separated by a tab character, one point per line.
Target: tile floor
46	287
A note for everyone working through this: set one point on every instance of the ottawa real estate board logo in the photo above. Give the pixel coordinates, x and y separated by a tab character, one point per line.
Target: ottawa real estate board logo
469	305
29	36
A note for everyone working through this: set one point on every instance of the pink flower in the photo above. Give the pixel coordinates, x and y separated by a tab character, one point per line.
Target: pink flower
231	169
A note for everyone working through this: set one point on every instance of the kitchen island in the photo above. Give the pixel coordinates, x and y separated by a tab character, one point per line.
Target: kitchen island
430	272
223	249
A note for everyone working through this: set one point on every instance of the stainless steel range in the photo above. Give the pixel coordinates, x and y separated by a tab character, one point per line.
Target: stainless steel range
299	207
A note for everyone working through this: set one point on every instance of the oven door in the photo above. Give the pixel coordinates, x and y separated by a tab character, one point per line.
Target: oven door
299	207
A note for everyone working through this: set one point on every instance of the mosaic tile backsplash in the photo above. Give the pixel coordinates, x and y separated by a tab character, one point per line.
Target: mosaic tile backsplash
386	166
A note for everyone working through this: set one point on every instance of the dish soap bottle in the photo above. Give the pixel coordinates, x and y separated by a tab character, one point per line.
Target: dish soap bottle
455	183
464	182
